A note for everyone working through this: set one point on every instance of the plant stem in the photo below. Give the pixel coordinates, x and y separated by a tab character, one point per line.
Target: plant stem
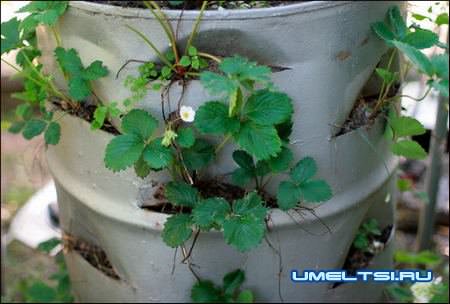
165	25
195	28
56	35
48	82
224	141
185	257
384	89
410	97
209	56
152	46
45	83
25	74
195	74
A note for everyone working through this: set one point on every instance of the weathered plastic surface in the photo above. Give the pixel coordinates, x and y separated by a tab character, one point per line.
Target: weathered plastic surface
331	53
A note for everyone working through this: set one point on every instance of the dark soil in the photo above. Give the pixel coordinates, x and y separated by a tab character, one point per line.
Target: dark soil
359	116
196	4
361	112
359	259
207	189
93	254
84	110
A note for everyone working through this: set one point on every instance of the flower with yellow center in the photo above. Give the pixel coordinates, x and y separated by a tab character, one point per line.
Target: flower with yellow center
187	114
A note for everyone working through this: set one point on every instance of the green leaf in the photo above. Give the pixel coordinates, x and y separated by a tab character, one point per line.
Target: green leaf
28	26
246	227
267	108
417	58
206	292
49	245
420	17
241	177
442	19
315	191
33	93
361	242
246	296
186	137
27	54
24	111
421	39
262	141
10	35
33	128
383	31
99	117
397	22
95	71
139	122
166	72
441	87
288	195
427	258
199	155
440	65
123	151
46	12
195	62
243	232
177	230
243	69
78	88
440	293
39	292
235	102
156	155
232	281
69	60
16	127
192	51
210	211
262	168
251	205
404	184
304	170
141	168
217	84
181	194
371	227
400	294
185	61
406	126
53	133
386	75
282	161
212	118
409	149
244	160
79	77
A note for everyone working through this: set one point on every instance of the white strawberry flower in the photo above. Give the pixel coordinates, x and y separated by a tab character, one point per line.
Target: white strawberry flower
187	114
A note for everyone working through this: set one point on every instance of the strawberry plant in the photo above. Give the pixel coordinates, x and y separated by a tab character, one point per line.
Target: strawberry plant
207	292
247	112
40	91
408	41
